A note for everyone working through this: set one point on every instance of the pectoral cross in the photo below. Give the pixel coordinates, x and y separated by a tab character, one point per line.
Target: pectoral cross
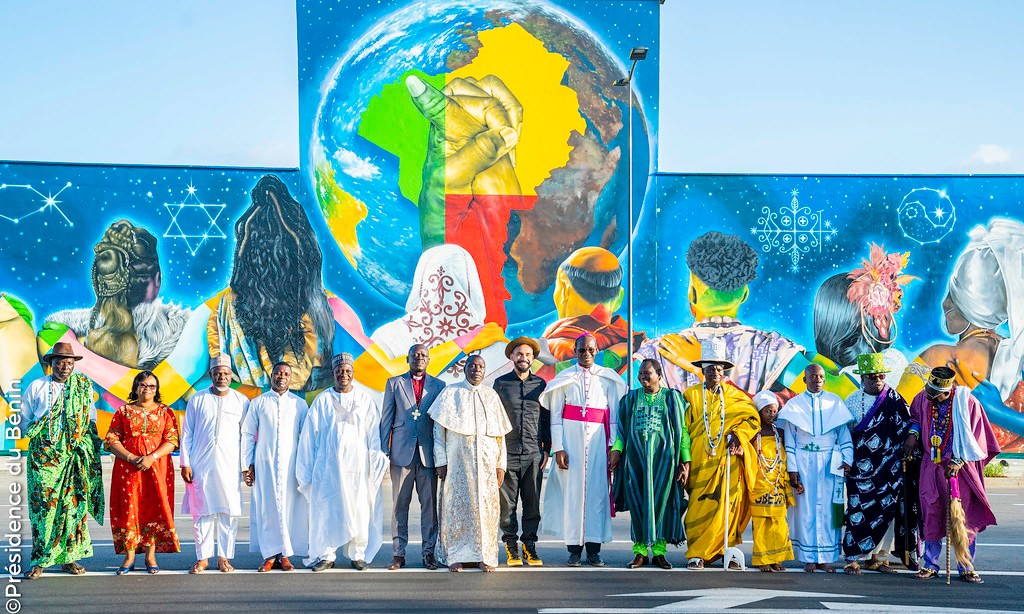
416	414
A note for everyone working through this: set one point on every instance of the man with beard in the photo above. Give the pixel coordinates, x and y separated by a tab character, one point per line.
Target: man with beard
881	420
520	392
577	502
340	468
275	308
278	514
819	453
469	426
210	455
407	438
65	481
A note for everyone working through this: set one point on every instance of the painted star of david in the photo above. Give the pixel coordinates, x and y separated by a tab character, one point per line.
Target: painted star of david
200	223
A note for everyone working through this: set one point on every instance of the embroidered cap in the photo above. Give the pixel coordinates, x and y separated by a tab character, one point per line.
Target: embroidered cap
342	359
220	360
869	364
941	379
713	352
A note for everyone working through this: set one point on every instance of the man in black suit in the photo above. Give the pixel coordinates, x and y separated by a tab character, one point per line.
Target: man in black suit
407	437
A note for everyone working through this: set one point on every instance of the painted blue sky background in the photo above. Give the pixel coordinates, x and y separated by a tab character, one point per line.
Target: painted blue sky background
791	86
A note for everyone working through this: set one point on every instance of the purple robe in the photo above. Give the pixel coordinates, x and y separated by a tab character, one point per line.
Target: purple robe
934	487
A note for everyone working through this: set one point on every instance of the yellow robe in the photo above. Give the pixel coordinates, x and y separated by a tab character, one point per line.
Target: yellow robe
771	496
705	518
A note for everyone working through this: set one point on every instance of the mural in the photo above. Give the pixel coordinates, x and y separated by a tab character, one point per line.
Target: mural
455	155
464	182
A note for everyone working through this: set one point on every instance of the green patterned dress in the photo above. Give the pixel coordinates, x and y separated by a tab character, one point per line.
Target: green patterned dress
65	481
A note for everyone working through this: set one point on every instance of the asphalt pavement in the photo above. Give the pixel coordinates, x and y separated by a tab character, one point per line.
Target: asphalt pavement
552	588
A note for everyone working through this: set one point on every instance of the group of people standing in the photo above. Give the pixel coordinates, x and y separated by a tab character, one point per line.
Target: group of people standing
823	479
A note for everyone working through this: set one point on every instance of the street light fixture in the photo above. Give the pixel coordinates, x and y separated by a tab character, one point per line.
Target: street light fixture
636	55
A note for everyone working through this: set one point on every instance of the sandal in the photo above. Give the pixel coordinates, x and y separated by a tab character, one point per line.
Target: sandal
695	564
767	569
926	574
455	567
778	567
199	567
35	573
224	566
971	577
885	568
852	569
826	567
72	568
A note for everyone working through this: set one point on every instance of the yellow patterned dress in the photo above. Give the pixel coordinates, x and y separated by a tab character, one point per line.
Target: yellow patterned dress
771	497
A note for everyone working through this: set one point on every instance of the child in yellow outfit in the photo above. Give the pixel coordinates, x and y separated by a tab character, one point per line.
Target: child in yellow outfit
771	492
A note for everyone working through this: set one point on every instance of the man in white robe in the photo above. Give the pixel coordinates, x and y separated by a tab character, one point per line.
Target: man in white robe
210	453
278	514
583	400
470	424
339	468
819	453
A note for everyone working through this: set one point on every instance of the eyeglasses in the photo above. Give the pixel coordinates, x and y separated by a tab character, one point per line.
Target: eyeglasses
874	376
147	386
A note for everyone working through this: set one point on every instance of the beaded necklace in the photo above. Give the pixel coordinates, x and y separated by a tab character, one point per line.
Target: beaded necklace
711	444
941	431
51	406
770	467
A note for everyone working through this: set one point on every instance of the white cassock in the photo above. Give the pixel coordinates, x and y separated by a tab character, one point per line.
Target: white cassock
210	440
470	424
818	442
583	405
340	468
278	514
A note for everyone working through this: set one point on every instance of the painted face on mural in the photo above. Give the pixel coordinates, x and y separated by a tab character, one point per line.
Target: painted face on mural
954	322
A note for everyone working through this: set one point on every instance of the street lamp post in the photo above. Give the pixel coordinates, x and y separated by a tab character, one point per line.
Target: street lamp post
636	55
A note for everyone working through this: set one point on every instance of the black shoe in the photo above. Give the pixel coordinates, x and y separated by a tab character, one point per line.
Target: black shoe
574	559
595	559
661	561
638	561
359	565
429	561
323	565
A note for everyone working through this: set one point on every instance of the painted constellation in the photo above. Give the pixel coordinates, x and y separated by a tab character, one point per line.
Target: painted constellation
793	230
50	203
194	221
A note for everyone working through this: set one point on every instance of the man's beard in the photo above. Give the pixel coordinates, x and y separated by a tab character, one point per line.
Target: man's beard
221	388
522	370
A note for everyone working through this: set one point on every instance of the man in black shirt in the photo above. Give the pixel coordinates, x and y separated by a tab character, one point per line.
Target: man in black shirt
527	446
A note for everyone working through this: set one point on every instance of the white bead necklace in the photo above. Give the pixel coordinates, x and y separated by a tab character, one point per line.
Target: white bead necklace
770	467
712	443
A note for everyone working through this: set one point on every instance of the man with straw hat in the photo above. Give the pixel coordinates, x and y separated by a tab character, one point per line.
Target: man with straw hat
877	501
520	392
721	420
951	429
819	453
63	463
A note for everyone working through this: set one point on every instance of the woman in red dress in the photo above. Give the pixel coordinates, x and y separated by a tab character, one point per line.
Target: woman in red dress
142	436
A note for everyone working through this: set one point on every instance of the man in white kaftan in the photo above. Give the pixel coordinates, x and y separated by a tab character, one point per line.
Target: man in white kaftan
210	455
583	401
470	424
278	514
819	453
339	468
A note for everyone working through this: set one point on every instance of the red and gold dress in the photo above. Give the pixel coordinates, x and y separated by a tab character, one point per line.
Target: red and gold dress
142	502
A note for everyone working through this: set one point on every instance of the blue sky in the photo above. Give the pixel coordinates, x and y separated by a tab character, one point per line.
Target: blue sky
792	86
